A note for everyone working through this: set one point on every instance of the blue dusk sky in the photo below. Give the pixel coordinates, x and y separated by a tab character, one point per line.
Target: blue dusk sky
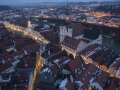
34	1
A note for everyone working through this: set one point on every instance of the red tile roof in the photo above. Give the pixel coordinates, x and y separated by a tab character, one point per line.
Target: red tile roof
63	60
52	50
92	47
5	66
102	80
4	44
3	54
19	78
6	75
31	47
113	84
4	84
117	64
78	29
18	53
26	64
47	34
69	85
71	42
84	77
8	57
96	54
58	55
54	69
28	59
74	64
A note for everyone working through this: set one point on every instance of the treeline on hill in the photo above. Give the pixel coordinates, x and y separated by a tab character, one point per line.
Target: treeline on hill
109	8
95	2
5	7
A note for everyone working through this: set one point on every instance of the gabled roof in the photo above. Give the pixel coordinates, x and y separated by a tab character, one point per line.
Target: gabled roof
113	84
57	55
18	53
28	59
6	75
3	54
31	47
50	69
19	78
5	66
74	64
102	80
78	29
61	62
71	42
117	63
26	64
87	74
8	57
48	34
52	50
67	84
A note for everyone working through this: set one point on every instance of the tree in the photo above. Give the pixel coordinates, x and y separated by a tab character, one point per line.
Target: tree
4	7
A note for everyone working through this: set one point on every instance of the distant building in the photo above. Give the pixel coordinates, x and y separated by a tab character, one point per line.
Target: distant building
74	46
73	30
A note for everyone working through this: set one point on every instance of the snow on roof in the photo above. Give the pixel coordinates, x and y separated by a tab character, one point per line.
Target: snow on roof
63	83
46	70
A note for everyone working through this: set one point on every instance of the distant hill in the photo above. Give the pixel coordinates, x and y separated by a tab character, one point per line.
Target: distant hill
4	7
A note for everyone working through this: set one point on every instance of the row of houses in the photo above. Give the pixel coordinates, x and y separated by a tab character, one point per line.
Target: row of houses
83	63
74	74
17	60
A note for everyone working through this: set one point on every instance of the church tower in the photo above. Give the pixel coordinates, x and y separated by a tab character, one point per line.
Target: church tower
29	25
